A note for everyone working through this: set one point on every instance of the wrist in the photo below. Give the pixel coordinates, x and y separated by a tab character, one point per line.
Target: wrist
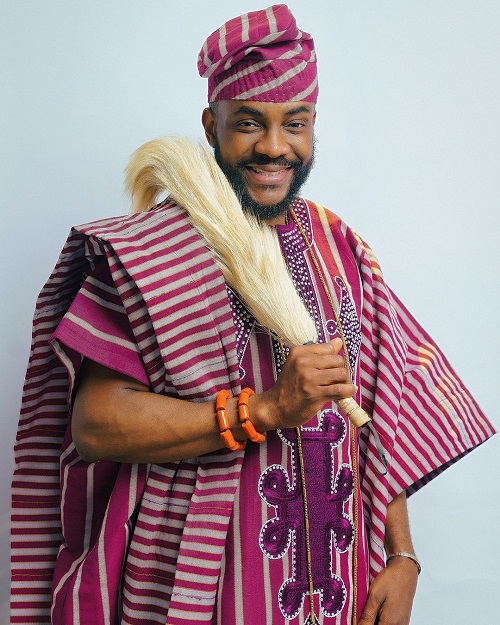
234	419
235	424
411	557
225	422
244	416
260	413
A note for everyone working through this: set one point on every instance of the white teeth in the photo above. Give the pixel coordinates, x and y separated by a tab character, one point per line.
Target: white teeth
266	173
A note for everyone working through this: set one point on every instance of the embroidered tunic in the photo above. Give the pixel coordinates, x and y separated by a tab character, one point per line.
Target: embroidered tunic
273	589
150	544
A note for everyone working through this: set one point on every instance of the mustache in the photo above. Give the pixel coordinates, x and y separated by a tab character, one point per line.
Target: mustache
262	159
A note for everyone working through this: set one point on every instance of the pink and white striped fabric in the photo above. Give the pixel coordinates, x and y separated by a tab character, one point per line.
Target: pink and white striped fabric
250	587
261	56
191	358
150	544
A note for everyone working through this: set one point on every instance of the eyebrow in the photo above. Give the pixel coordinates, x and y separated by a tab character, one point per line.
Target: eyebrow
297	110
249	110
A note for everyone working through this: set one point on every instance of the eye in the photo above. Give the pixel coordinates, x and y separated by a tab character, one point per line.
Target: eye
248	123
296	126
248	126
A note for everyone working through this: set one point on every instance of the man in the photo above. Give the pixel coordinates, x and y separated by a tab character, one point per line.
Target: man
159	521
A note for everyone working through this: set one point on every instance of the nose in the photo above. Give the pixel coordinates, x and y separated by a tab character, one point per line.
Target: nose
272	143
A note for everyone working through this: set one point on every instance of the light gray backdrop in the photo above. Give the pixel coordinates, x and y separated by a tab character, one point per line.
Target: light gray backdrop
408	154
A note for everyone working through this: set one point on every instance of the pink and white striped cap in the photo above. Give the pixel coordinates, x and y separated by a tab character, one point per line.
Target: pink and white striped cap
261	56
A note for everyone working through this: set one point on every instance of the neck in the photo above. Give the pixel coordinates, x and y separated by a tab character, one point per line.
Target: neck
277	221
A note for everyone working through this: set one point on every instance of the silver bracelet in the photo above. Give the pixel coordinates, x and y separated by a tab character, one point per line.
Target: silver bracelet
405	554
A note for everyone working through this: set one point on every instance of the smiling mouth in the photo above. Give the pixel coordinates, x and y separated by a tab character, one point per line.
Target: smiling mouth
273	175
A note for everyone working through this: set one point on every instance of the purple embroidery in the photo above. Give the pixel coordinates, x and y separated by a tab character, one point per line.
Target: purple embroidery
349	322
295	253
243	324
330	528
328	489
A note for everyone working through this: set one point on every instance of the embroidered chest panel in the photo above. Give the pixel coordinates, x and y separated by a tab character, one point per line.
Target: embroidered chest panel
325	445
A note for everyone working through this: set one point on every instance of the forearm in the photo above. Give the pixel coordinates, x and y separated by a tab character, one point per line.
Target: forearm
391	593
397	528
117	418
398	542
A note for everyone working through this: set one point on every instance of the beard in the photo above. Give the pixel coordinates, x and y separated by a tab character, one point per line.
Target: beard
263	212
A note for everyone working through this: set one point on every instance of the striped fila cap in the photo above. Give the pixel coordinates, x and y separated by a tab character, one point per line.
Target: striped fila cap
261	56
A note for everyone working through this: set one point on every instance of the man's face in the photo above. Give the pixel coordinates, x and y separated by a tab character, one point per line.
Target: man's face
265	150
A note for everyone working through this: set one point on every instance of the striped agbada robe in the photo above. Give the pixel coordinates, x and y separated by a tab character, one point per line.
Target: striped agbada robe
149	544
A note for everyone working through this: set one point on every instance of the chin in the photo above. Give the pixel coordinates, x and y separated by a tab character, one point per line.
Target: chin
265	212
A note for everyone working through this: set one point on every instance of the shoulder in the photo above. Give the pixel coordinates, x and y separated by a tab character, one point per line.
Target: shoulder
345	237
320	215
134	224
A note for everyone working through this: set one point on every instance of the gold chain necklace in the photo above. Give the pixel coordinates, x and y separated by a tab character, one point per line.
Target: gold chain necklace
307	534
352	440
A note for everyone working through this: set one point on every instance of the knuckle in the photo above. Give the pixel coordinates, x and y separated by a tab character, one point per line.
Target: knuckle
300	361
377	596
342	374
367	617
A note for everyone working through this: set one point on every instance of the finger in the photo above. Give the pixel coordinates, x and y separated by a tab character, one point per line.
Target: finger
336	344
376	599
338	391
331	347
370	612
328	362
329	376
321	359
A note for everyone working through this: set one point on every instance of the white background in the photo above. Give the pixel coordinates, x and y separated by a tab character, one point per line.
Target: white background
408	153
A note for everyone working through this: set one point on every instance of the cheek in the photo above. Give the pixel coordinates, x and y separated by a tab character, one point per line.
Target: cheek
303	148
235	146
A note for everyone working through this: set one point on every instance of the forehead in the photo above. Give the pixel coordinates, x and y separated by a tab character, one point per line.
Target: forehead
267	110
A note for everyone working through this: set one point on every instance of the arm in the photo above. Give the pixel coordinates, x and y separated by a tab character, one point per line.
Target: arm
390	597
117	418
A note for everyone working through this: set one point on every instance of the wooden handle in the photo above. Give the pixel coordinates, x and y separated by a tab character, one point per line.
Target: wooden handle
353	411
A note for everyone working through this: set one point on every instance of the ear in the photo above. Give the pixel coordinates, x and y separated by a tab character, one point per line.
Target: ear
208	121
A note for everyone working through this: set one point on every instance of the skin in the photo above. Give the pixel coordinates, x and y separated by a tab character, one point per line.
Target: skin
391	593
117	418
269	138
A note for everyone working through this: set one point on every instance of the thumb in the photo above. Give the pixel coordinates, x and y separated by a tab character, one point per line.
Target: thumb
373	604
370	612
336	344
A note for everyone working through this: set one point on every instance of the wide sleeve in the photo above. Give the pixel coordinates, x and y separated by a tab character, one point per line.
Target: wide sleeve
425	414
96	326
439	419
